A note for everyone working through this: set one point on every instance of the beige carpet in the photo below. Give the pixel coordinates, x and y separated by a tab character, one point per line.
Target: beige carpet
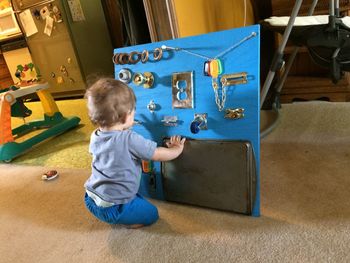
305	197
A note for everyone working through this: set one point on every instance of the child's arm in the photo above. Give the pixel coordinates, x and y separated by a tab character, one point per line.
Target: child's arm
175	148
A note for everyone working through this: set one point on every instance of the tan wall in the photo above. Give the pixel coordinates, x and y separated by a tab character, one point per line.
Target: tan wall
196	17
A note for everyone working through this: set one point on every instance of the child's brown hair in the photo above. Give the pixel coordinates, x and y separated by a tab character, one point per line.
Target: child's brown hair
109	101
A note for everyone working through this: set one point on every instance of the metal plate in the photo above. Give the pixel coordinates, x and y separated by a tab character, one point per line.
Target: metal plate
182	90
212	173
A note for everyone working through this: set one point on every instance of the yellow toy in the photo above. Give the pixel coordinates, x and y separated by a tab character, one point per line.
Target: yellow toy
54	123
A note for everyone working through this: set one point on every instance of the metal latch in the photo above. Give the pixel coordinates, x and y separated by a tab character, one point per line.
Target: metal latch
234	79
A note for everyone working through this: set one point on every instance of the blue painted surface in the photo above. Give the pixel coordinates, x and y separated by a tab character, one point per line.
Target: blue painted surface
243	58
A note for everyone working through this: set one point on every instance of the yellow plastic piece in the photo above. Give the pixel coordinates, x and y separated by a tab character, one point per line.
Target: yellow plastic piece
214	68
48	103
5	120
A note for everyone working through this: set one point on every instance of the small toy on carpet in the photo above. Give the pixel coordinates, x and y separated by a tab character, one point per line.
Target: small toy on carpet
49	175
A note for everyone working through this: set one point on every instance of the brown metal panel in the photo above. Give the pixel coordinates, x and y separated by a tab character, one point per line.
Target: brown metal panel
217	174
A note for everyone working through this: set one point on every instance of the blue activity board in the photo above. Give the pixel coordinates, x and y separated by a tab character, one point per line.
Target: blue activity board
205	88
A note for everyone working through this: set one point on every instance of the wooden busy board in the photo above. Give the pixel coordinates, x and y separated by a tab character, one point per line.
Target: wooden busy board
238	50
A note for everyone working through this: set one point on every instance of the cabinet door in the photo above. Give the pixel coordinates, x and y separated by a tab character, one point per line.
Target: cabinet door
161	19
57	62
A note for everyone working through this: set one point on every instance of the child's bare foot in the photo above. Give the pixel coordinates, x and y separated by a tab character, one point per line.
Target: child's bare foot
135	226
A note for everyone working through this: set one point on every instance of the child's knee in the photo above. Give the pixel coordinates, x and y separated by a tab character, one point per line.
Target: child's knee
153	215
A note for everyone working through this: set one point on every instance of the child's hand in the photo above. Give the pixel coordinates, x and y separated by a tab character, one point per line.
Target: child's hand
176	141
174	148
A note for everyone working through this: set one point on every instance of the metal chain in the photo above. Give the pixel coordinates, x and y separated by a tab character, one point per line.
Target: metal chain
220	104
215	89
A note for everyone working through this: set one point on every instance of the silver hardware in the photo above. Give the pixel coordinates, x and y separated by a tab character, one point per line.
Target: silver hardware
202	118
169	120
151	106
182	90
199	122
234	113
125	75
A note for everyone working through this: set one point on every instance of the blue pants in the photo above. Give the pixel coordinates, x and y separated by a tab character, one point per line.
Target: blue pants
137	211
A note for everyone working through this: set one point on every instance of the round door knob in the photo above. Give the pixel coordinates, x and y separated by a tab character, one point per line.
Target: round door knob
195	127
